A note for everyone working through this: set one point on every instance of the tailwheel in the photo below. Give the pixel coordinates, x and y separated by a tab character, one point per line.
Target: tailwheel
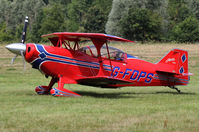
42	90
61	92
173	87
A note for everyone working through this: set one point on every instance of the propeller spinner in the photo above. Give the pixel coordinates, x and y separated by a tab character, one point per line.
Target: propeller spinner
19	48
16	48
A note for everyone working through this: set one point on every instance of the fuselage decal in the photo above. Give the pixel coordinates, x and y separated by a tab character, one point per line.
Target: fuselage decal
46	57
132	75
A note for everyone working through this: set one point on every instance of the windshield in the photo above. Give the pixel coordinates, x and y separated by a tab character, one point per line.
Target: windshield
115	53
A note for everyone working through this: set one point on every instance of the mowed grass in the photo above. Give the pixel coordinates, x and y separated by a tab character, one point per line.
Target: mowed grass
102	110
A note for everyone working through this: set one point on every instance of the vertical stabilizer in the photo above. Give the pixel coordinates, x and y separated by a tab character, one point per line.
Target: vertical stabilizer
176	62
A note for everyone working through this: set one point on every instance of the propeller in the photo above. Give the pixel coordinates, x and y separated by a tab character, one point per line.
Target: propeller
23	39
19	48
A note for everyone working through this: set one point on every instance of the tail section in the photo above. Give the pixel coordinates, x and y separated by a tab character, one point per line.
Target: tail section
176	62
175	66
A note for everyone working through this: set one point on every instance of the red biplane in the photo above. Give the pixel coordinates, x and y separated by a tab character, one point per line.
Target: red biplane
99	64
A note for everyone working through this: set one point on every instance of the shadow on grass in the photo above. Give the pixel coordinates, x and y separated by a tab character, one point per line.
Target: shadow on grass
118	95
175	93
115	95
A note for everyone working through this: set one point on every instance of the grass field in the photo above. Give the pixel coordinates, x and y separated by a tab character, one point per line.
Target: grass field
102	110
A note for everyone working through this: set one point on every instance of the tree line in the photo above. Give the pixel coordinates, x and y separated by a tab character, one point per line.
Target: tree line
138	20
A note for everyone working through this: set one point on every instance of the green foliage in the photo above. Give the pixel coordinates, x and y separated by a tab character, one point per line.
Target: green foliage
183	23
113	24
46	2
194	6
178	11
141	25
50	19
53	20
4	11
153	4
186	31
95	20
73	17
35	34
18	32
97	16
5	35
61	2
167	14
76	13
47	16
120	9
13	12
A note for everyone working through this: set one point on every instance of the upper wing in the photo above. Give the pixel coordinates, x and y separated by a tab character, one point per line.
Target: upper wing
71	36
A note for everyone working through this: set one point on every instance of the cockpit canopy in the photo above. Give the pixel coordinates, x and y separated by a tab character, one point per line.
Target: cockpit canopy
115	54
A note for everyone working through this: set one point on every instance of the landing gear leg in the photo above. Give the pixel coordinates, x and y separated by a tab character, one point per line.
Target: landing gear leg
173	87
52	82
60	91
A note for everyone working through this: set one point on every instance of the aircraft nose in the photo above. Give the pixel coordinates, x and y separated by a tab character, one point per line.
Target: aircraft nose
16	48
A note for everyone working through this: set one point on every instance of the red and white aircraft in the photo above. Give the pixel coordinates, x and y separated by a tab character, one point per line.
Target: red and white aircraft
98	65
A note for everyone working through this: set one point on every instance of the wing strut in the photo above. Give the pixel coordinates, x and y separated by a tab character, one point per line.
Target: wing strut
109	58
59	42
98	44
76	46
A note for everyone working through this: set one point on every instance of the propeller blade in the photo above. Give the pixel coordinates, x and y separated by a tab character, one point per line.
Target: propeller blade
13	59
23	39
24	62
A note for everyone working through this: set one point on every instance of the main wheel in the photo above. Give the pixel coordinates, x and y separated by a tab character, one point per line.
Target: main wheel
42	90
